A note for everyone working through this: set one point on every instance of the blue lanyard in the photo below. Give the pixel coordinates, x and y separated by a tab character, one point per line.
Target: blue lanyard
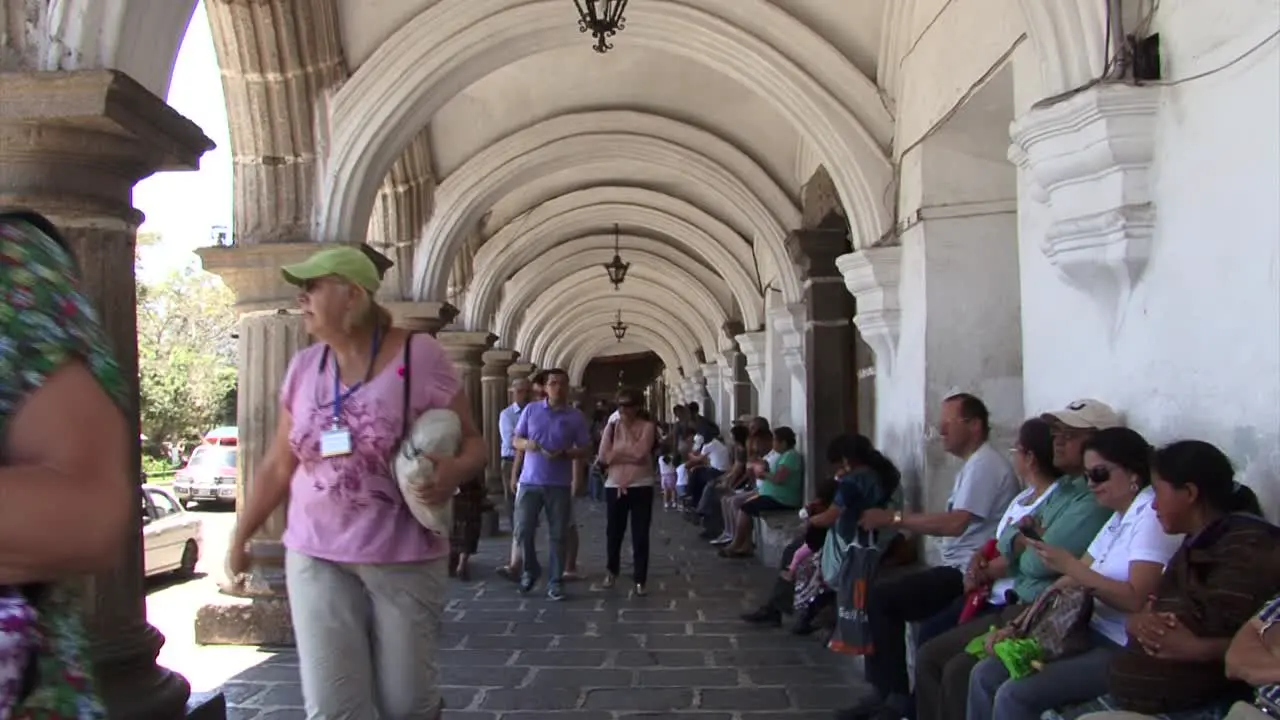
338	396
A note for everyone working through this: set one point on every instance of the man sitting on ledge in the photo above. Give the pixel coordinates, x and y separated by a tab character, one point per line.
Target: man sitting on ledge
983	488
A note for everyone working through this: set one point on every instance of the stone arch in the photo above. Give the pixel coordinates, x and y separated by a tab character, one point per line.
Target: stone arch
593	342
538	280
609	140
695	330
1068	37
452	44
587	211
572	336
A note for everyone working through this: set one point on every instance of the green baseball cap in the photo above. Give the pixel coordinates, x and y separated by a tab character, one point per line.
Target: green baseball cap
344	261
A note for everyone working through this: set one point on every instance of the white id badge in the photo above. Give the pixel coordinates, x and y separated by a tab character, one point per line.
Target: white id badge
335	442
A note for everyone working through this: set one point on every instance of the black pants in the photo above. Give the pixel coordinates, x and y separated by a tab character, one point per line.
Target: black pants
890	606
636	504
699	478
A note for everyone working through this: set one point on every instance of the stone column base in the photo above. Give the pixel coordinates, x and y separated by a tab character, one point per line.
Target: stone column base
245	621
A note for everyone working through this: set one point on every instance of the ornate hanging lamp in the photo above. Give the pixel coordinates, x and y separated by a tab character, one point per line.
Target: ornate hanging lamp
616	268
619	328
603	19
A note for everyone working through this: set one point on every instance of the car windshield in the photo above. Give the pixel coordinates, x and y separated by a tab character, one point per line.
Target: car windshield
211	457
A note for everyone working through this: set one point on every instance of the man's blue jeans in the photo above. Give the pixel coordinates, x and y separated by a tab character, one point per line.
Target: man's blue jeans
532	501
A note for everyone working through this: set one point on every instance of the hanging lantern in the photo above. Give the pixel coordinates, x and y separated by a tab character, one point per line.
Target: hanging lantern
619	328
603	19
616	268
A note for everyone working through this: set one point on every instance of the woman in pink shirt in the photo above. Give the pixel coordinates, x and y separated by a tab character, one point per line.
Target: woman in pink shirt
366	581
627	449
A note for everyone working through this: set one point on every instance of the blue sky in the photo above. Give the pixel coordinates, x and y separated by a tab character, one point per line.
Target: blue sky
184	206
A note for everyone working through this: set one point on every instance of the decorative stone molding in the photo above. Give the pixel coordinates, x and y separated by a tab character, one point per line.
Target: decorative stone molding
872	276
753	345
1088	158
789	320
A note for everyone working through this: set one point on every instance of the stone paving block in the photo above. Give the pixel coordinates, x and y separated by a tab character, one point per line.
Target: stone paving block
688	642
798	676
562	658
758	658
281	694
508	642
476	657
597	642
821	697
687	677
543	699
459	697
484	676
639	699
739	698
676	716
660	658
581	678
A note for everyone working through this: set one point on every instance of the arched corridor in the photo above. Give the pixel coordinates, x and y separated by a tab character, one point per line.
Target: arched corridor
835	213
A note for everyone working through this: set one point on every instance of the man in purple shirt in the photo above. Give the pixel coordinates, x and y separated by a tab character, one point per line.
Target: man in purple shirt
549	437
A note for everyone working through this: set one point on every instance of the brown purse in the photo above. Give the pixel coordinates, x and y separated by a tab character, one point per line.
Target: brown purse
1058	621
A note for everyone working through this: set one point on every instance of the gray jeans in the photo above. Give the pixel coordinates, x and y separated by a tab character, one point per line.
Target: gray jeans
531	502
1079	678
366	637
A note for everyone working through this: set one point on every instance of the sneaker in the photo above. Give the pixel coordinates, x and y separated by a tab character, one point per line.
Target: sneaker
526	584
555	593
609	581
641	590
722	540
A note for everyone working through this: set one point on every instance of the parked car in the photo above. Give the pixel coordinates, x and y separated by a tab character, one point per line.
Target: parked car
228	435
209	476
171	536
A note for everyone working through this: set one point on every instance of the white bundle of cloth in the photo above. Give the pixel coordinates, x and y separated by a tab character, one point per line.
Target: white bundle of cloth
436	432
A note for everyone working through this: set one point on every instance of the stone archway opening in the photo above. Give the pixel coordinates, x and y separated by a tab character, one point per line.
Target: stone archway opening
965	231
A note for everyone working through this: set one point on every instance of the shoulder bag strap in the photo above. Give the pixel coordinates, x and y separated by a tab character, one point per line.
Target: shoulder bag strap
405	419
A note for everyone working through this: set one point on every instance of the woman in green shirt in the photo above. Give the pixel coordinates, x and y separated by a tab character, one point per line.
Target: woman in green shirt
780	487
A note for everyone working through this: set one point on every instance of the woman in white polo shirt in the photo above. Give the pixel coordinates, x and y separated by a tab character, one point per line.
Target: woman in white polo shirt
1121	569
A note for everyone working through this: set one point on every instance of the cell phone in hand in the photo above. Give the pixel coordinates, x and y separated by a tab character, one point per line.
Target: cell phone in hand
1029	532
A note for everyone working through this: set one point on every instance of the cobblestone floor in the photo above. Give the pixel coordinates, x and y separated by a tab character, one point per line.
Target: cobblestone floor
679	653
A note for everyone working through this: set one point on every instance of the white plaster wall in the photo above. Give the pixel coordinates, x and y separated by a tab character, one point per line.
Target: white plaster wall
775	402
948	264
1197	352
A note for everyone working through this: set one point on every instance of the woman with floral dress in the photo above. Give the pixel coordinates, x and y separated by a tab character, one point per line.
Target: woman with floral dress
65	464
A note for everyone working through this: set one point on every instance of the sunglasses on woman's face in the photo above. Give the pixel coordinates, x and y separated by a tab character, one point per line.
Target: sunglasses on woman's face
1098	474
626	404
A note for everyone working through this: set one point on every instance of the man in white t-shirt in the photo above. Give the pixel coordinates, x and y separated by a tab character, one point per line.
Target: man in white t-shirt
709	460
983	488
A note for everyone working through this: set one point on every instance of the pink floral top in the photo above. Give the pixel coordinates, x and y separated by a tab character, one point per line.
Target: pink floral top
349	508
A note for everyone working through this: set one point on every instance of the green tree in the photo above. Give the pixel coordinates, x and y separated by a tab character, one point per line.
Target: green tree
186	356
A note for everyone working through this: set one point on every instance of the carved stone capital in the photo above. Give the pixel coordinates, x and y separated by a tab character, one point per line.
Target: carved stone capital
520	370
425	316
710	374
872	276
1088	158
496	362
754	347
466	348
